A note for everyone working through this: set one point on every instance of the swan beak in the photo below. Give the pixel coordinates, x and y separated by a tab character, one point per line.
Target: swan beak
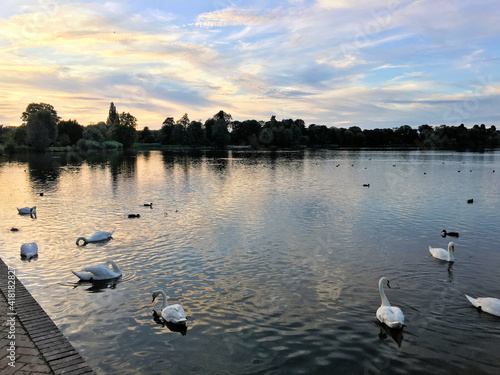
453	248
388	285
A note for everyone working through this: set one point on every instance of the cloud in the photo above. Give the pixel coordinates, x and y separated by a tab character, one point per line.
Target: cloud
232	17
334	62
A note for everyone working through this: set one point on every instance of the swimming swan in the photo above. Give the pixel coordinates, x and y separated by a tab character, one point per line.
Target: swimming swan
99	272
97	236
27	210
391	316
486	304
442	253
173	313
29	250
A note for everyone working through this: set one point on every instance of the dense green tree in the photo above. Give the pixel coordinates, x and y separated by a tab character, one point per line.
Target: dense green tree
220	134
33	108
221	115
125	131
71	129
146	135
406	135
7	134
179	135
113	117
94	133
266	136
184	121
42	129
242	131
166	130
21	135
195	133
209	124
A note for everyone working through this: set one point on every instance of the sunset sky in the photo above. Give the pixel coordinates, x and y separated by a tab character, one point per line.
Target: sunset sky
367	63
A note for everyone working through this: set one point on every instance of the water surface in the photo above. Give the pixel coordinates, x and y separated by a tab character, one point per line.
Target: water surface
275	256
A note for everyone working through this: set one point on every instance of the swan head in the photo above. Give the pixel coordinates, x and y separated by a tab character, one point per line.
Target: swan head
451	246
155	294
384	281
81	239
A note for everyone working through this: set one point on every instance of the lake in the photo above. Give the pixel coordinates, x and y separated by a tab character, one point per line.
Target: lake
275	257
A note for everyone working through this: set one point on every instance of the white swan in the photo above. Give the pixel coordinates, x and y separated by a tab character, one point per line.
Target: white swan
99	272
27	210
391	316
97	236
486	304
29	250
442	254
171	313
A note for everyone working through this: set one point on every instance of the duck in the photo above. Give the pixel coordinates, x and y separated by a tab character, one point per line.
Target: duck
29	250
148	205
27	210
486	304
391	316
452	234
14	229
171	313
97	236
133	216
366	185
443	254
99	272
470	201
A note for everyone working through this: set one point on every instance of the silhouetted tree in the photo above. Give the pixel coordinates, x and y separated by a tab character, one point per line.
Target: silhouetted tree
33	108
42	129
184	121
266	136
220	134
209	124
195	133
71	129
125	132
166	130
113	117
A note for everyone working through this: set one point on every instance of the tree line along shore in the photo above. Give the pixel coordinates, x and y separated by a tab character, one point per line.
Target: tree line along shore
43	130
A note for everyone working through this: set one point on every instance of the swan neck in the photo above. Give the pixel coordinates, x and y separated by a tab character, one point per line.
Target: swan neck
165	302
114	266
383	297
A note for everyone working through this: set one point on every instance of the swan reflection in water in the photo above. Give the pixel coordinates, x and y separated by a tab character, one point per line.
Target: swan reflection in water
181	328
450	272
98	286
395	333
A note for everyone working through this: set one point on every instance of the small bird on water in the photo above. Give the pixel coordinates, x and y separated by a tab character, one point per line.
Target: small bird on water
452	234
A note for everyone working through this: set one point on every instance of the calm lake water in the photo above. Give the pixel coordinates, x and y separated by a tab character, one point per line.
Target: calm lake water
275	256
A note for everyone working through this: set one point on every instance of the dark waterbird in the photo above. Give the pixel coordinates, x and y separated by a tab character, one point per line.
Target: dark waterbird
133	216
366	185
470	201
148	205
14	229
452	234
